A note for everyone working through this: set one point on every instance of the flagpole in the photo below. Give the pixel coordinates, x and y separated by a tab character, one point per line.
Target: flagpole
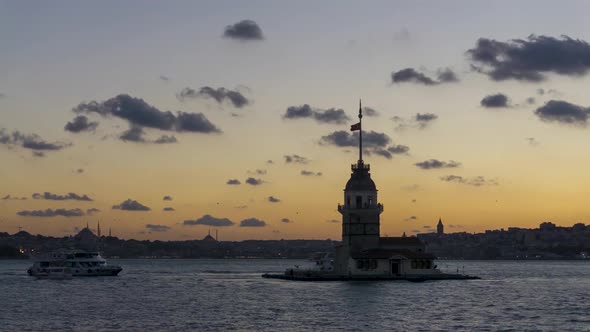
360	133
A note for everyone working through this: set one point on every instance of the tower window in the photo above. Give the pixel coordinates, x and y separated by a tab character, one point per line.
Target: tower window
359	202
370	200
347	200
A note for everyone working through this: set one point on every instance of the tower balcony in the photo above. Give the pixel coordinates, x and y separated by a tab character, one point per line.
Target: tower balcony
343	208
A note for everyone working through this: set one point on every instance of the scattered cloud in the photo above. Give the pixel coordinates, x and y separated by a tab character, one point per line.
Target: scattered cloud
296	159
258	172
286	220
233	182
166	139
497	100
254	182
411	75
532	141
92	211
12	198
333	221
79	124
131	205
209	220
157	228
51	213
310	173
273	199
164	78
236	98
133	134
168	209
412	187
530	59
411	218
373	142
564	113
245	30
167	198
475	181
370	112
139	113
29	141
252	222
419	121
331	115
436	164
54	197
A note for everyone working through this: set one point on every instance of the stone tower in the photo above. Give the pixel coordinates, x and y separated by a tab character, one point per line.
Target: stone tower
361	210
440	228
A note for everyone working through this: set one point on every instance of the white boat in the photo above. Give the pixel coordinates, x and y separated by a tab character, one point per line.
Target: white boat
55	272
77	262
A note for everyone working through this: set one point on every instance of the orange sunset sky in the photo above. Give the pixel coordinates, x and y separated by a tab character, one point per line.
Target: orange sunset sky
473	113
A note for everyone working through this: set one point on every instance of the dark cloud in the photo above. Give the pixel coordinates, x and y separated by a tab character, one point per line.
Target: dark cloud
167	198
495	101
52	213
370	112
296	159
419	121
92	211
258	172
133	134
563	112
411	218
80	124
531	100
220	95
54	197
244	30
233	182
476	181
12	198
164	78
332	115
411	75
209	220
286	220
270	162
39	154
131	205
310	173
373	142
343	138
168	209
80	170
253	181
530	59
252	222
139	113
29	141
157	228
446	75
333	221
273	199
166	139
435	164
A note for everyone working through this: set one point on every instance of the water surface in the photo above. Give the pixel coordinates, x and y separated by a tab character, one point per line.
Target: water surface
214	295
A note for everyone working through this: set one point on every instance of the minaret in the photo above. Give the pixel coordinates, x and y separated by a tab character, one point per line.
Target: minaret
361	210
98	228
440	228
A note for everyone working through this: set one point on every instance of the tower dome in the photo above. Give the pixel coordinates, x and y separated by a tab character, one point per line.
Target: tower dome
360	179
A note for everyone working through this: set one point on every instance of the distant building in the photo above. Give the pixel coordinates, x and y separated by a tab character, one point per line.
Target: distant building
440	228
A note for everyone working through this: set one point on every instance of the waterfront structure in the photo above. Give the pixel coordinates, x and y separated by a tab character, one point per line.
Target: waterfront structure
363	253
440	228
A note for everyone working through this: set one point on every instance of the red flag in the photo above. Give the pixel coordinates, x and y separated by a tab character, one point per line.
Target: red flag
356	126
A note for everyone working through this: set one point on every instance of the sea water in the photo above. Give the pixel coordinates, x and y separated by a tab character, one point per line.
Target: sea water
224	295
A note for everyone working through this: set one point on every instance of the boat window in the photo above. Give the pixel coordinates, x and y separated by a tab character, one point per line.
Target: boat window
44	264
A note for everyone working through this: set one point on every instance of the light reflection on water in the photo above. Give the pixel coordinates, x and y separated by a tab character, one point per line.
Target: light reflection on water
208	295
